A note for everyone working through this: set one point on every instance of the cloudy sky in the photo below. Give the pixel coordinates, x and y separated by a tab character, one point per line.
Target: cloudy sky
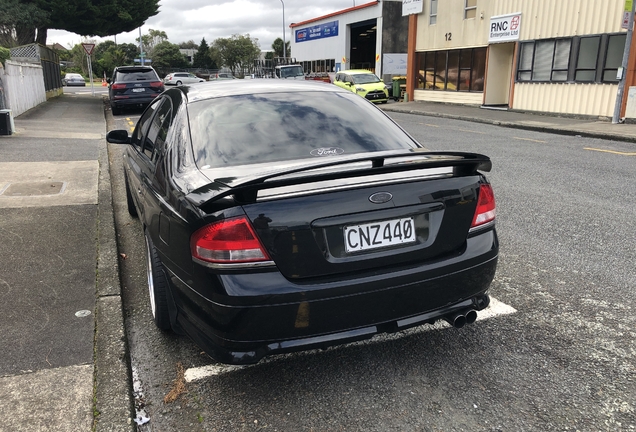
185	20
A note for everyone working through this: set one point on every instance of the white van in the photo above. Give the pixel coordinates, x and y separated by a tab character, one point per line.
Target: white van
294	72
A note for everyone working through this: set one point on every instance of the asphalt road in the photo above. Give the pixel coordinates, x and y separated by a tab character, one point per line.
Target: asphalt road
562	358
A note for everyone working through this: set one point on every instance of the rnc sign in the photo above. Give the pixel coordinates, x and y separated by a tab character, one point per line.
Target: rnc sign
505	28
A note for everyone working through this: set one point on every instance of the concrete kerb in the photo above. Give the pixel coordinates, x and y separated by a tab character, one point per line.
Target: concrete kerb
113	402
516	125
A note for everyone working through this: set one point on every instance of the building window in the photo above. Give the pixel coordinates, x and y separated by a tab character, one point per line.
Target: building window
587	59
614	57
433	18
453	70
470	9
544	60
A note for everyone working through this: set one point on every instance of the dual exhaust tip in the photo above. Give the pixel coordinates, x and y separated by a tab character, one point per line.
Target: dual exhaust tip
461	318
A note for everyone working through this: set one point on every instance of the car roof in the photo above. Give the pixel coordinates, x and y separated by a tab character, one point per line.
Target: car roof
133	68
254	86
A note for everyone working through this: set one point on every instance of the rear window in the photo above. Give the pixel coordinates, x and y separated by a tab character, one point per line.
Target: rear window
136	75
241	130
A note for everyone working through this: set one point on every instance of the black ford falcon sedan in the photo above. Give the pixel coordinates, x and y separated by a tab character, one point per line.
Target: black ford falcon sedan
285	216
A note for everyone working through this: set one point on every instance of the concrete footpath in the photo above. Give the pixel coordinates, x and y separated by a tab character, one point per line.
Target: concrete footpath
587	127
64	363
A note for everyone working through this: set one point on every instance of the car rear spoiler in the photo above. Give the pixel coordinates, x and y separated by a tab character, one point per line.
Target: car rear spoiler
246	188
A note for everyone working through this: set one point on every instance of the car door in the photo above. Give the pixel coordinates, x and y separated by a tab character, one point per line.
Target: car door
135	160
153	142
349	85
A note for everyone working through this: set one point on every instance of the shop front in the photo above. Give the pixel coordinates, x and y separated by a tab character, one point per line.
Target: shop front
557	57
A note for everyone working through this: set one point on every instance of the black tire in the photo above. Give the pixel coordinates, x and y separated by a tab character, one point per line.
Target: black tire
157	287
179	83
115	110
130	203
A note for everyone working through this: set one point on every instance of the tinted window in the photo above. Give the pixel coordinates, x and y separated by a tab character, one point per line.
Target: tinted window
142	125
282	126
138	75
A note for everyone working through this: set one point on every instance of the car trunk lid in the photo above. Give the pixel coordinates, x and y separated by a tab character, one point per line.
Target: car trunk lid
333	218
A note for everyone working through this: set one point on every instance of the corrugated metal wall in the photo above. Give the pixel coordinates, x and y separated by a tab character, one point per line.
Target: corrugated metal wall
540	19
585	99
554	18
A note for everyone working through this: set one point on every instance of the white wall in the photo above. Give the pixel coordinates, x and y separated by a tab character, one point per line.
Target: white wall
335	47
23	86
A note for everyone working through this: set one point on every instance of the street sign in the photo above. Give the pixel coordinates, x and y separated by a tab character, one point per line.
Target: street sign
88	48
505	28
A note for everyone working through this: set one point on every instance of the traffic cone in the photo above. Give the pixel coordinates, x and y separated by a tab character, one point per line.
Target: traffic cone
104	82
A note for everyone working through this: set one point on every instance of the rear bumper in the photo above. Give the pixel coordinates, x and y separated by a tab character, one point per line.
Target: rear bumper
132	101
244	329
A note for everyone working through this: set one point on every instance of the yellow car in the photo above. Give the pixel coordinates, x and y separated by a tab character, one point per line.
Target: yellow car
363	83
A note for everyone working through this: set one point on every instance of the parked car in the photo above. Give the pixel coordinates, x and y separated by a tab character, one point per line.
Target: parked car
73	79
364	83
222	76
285	215
133	87
178	78
289	72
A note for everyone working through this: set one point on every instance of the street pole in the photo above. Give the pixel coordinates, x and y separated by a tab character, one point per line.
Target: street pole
284	41
90	73
141	49
624	65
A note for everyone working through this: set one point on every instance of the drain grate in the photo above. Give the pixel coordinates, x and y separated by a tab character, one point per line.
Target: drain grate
29	189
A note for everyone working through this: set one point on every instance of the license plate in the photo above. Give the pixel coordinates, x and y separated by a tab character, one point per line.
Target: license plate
138	90
379	234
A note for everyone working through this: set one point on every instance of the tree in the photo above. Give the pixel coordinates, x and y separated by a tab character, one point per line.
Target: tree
27	21
238	52
167	56
102	47
5	54
188	45
202	58
19	21
151	40
109	60
277	46
107	55
131	52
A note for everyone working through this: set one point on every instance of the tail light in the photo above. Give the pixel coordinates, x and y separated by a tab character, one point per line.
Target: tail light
485	211
228	241
118	86
156	84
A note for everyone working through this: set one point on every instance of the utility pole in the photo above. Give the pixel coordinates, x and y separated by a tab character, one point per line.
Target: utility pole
284	42
624	64
141	49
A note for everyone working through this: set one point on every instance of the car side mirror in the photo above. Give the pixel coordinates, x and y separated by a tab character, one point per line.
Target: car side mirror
119	136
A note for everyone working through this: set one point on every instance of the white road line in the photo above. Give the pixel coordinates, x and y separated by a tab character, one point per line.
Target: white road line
495	309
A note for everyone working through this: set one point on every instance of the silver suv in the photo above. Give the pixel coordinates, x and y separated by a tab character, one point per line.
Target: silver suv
178	78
